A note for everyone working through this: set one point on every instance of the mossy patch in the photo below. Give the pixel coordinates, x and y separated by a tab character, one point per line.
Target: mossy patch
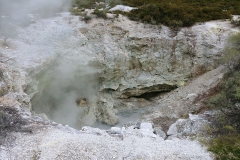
226	147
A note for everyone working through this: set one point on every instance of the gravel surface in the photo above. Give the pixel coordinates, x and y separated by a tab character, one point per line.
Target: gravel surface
91	143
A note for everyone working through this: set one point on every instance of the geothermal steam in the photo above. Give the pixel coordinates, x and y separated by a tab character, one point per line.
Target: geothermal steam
71	81
15	13
68	96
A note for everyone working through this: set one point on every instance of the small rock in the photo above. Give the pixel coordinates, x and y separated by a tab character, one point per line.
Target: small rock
172	129
116	130
160	133
192	96
193	117
146	126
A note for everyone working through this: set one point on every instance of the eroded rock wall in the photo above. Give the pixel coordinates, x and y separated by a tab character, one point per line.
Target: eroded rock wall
126	58
141	58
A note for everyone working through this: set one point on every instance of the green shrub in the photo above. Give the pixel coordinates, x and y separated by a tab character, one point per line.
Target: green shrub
113	3
85	3
76	12
226	147
227	100
100	13
177	13
231	53
227	96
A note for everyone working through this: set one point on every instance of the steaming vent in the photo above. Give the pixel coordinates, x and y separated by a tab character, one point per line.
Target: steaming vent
67	93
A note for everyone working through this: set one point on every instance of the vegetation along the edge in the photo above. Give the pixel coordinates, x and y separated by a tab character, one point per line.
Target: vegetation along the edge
173	13
226	100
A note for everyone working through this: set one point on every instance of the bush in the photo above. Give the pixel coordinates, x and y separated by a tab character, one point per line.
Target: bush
231	52
85	3
226	147
76	12
100	13
228	101
178	13
226	124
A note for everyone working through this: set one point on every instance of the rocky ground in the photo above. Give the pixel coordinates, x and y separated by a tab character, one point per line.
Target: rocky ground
62	142
112	64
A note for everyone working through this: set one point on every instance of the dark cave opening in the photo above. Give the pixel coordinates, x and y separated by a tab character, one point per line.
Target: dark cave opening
151	95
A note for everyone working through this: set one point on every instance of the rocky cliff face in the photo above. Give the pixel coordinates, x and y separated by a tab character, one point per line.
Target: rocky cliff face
137	59
142	58
121	61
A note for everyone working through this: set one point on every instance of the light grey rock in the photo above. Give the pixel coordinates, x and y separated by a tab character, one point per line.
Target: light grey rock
195	125
149	59
174	105
146	126
160	132
122	8
191	96
173	130
116	130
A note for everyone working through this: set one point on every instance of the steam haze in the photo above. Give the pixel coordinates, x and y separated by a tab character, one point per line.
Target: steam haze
17	12
18	8
68	83
68	80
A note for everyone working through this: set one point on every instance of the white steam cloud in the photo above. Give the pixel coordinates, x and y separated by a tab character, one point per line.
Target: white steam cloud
19	8
69	83
20	12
